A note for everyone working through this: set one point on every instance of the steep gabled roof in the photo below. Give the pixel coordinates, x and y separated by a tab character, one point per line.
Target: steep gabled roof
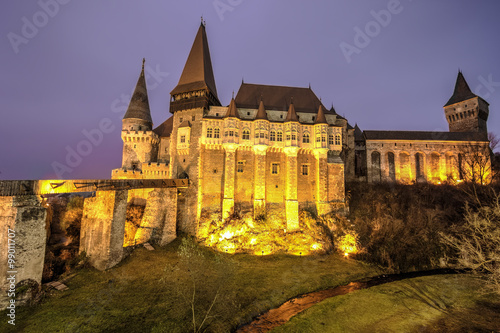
165	129
291	115
138	107
232	111
277	98
425	136
462	91
358	134
261	112
197	73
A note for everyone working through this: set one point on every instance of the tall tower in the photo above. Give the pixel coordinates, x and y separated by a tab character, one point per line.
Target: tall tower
189	102
140	143
465	111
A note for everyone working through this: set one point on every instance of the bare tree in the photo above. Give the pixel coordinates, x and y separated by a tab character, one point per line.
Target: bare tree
477	242
474	163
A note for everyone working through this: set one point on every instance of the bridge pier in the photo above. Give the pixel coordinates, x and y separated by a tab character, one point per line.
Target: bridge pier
159	221
103	228
27	218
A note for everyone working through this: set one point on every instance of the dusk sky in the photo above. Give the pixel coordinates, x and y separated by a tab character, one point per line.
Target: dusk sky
73	69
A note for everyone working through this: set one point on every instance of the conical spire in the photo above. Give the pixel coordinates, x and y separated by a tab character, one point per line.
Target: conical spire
320	117
197	73
462	91
232	111
261	113
291	115
139	103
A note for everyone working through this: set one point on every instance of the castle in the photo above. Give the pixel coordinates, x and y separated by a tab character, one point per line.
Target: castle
276	150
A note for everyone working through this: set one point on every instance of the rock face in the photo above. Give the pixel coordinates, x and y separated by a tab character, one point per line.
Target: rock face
23	235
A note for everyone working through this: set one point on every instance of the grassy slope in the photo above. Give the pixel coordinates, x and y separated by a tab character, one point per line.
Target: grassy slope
150	291
448	303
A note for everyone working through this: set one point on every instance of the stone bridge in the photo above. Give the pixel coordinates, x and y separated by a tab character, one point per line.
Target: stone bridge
23	218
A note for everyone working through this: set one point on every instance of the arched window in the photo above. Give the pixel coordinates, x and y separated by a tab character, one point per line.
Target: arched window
338	141
246	135
305	138
392	165
279	136
209	132
376	172
273	136
216	133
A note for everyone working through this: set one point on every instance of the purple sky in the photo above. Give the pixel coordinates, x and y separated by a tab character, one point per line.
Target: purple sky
70	74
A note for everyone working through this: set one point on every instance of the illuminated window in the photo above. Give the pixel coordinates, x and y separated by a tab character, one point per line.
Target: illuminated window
330	139
288	136
183	138
231	133
240	166
279	136
337	139
246	135
261	135
318	138
294	136
275	168
273	136
209	132
216	133
323	138
305	169
305	138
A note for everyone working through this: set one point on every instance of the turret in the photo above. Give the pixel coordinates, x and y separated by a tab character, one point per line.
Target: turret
291	127
140	143
465	111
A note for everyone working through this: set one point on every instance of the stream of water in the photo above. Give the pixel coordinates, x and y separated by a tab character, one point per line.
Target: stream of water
280	315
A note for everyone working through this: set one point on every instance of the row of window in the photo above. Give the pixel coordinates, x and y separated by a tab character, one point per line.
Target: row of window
275	136
275	168
462	115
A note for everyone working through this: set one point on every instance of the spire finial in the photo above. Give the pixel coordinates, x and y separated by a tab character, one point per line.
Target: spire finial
309	85
143	61
233	94
242	80
291	100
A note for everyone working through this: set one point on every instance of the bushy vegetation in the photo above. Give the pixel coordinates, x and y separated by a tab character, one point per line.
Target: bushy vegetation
132	223
399	226
61	253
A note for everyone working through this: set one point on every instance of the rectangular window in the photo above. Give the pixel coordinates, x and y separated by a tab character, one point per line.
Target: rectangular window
240	166
275	168
193	118
294	137
279	137
180	120
261	135
330	139
216	133
305	169
183	138
273	136
209	132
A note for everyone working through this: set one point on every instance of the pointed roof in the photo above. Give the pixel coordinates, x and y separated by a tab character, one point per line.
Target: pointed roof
261	112
138	107
320	117
291	115
231	110
197	73
462	91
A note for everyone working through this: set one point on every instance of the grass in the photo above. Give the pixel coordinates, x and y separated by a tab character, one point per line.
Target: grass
151	291
442	303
